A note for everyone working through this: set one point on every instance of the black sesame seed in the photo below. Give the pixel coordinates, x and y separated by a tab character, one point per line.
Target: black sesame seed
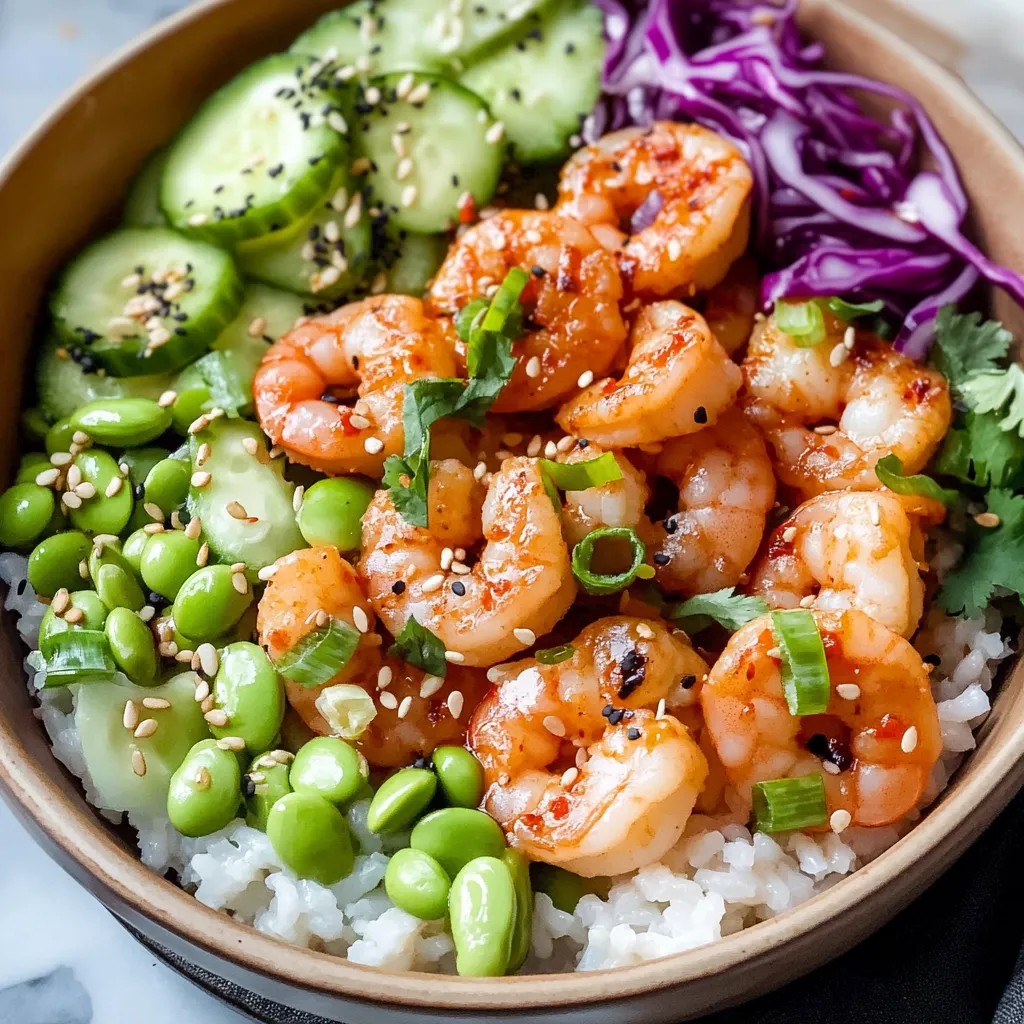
538	271
633	668
633	733
607	710
398	587
700	415
687	682
516	95
661	558
20	588
931	659
671	525
616	716
455	181
139	492
582	443
248	786
570	47
329	398
459	588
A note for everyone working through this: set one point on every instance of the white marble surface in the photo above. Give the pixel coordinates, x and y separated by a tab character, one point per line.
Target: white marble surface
48	923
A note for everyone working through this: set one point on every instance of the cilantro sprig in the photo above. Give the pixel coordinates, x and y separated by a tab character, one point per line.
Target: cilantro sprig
725	607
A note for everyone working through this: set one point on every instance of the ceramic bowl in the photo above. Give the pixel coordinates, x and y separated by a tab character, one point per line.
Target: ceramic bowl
63	184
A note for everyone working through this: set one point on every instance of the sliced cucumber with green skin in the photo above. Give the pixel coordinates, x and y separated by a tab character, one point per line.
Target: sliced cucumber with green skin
64	386
327	254
142	207
421	34
254	487
145	300
109	748
416	262
258	155
428	149
545	81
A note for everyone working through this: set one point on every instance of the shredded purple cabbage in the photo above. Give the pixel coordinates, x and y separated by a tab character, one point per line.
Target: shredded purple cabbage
840	205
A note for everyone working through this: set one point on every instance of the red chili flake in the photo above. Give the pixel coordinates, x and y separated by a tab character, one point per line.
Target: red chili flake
559	808
918	389
892	727
467	209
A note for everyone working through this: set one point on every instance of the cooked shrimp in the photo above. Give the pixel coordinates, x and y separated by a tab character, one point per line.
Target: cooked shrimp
370	349
879	737
732	305
830	412
571	301
851	549
695	186
617	503
726	489
678	380
580	770
520	585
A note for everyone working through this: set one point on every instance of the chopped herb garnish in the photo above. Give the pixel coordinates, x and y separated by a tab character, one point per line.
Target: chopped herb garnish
889	471
725	607
418	646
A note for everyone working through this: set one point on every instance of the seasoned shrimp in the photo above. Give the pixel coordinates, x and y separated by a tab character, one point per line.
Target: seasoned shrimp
520	585
732	305
689	186
851	549
571	301
726	489
875	745
617	503
580	770
370	349
830	412
678	379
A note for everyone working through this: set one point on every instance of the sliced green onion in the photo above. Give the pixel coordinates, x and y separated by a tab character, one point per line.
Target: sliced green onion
802	321
786	804
467	317
78	656
599	583
505	304
579	476
555	655
889	471
348	709
418	646
319	656
805	679
848	311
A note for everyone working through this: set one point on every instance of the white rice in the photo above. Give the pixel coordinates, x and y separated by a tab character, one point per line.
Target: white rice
716	881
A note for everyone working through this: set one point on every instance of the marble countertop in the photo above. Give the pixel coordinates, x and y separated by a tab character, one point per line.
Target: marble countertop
65	959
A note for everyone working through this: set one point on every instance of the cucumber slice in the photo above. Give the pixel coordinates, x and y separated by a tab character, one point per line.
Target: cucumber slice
428	149
415	263
401	34
145	300
257	484
108	747
545	81
258	155
326	254
142	207
63	384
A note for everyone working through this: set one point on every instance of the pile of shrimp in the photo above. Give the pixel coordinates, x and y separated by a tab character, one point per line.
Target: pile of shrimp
746	461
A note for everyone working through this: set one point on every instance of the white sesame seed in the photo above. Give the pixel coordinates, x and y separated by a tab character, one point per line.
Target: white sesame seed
209	660
199	424
194	528
494	674
130	718
553	725
83	569
72	500
456	702
138	763
420	93
660	713
525	636
454	657
204	554
826	429
197	220
828	766
479	471
550	449
155	703
297	496
585	379
146	612
337	122
988	520
839	355
533	367
359	619
807	602
405	707
849	338
775	652
405	84
372	95
495	133
875	514
569	776
433	583
235	743
154	511
540	202
240	583
840	820
236	510
267	572
848	691
60	601
217	717
388	700
74	615
146	728
48	477
565	443
644	631
409	195
85	490
789	534
60	458
909	740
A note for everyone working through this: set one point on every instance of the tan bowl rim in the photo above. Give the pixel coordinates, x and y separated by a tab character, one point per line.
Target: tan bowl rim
86	841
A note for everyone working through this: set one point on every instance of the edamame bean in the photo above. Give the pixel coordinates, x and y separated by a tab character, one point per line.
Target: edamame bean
311	837
34	425
460	775
332	510
133	547
205	791
519	869
26	511
55	561
167	485
140	461
30	466
168	559
59	437
132	646
187	408
400	800
208	603
124	422
266	782
564	888
94	615
330	767
453	836
417	884
249	691
482	907
118	588
105	512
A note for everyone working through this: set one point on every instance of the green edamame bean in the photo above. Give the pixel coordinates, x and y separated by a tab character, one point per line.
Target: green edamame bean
118	588
400	800
332	510
330	767
519	869
249	691
140	462
205	791
132	646
208	603
59	437
460	775
454	836
94	615
311	837
167	485
268	782
417	884
34	424
132	549
26	511
564	888
55	561
30	466
168	559
124	422
187	408
482	907
102	513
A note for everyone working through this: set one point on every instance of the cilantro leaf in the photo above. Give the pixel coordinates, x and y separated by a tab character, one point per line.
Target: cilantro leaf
725	607
418	646
991	392
964	345
993	558
981	453
424	403
889	471
490	363
408	478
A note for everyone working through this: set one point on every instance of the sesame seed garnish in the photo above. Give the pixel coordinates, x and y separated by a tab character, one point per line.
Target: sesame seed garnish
909	740
217	718
199	424
494	674
297	496
388	700
240	583
146	728
433	583
60	601
808	601
525	636
775	652
138	763
565	443
130	717
989	520
48	477
202	691
267	572
209	660
660	713
204	554
154	511
420	93
838	355
832	769
146	612
849	338
231	743
384	677
156	703
826	429
848	691
533	367
585	379
197	220
203	780
405	707
60	458
495	133
644	631
409	195
83	569
251	445
114	487
553	725
454	657
236	510
71	499
480	471
455	703
359	619
337	122
840	820
404	169
74	615
789	534
373	445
